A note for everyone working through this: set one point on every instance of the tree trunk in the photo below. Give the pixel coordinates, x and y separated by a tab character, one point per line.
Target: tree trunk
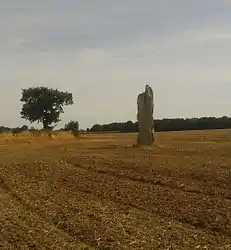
45	124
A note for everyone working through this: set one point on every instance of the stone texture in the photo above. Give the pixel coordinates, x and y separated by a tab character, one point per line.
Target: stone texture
145	106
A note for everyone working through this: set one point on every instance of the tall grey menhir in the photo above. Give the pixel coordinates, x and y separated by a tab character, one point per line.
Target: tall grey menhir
145	106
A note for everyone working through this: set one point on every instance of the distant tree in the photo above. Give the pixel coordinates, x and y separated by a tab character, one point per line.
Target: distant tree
72	126
18	130
96	128
24	128
44	105
32	128
4	129
128	127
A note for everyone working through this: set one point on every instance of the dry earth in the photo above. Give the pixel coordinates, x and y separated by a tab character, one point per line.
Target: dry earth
100	192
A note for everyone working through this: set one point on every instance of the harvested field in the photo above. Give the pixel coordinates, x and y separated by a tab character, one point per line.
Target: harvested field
100	192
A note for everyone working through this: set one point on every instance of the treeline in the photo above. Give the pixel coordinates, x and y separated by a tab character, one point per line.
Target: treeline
4	129
177	124
71	126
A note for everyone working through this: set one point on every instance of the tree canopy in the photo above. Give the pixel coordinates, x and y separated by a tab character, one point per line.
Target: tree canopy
72	126
44	105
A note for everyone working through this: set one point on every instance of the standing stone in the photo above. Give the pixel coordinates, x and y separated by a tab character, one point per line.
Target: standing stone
145	106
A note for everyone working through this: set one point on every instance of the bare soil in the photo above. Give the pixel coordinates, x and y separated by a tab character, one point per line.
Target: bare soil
101	192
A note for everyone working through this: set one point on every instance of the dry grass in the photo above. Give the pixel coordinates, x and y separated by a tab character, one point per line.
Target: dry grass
99	192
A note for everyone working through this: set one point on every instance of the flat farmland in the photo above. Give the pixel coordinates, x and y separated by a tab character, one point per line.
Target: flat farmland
100	192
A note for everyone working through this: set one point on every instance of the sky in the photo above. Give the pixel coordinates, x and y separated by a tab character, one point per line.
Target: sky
105	51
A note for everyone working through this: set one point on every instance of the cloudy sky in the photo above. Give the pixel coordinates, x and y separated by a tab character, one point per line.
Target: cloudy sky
105	51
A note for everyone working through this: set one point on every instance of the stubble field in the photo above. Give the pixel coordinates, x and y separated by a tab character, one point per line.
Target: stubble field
100	192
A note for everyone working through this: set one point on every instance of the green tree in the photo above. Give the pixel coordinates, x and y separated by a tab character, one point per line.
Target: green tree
72	126
44	105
